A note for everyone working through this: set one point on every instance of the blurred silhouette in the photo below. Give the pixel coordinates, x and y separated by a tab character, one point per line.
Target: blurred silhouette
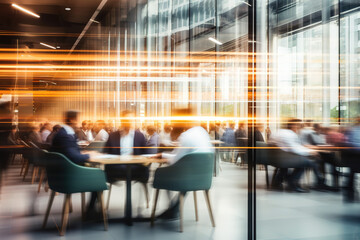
65	141
45	131
229	141
81	132
101	133
152	140
51	136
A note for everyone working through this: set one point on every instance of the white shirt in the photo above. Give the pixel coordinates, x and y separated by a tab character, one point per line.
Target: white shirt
89	135
165	138
289	141
196	139
44	134
102	135
69	130
127	143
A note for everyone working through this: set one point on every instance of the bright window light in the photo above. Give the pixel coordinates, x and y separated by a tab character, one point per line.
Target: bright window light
25	10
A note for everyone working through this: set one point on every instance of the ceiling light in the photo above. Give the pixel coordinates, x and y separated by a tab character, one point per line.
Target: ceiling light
215	41
47	45
94	21
25	10
68	9
57	46
246	3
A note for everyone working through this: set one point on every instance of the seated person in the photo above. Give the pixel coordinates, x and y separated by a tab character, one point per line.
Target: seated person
153	140
125	141
50	138
81	132
65	142
289	141
101	134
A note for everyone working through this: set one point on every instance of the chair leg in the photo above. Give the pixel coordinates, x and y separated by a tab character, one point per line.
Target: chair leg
65	214
108	198
42	173
274	176
146	194
207	198
267	176
103	210
23	165
33	175
196	208
70	206
83	205
154	207
181	198
26	170
51	199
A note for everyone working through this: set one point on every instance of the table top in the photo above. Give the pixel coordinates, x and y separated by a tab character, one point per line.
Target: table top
106	159
216	142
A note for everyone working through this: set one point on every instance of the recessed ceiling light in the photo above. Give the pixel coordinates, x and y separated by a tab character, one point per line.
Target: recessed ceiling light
47	45
67	9
57	46
25	10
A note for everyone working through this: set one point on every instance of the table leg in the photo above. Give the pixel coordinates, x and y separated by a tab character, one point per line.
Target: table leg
128	208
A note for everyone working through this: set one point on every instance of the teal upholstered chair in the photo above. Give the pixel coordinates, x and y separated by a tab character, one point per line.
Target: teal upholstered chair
191	173
96	146
67	177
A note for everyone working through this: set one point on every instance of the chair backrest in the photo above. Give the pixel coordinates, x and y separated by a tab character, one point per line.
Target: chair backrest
96	146
67	177
192	172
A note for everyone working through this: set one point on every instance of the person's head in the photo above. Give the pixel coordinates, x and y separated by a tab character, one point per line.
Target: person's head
182	121
47	126
317	127
84	124
294	124
232	125
150	129
89	125
71	118
212	127
167	128
127	120
241	125
56	128
99	124
308	123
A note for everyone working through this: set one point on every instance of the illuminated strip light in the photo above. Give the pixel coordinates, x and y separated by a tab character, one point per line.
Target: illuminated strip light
215	41
25	10
47	45
246	3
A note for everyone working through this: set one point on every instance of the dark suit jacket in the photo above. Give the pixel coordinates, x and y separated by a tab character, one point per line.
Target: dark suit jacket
81	135
66	144
112	145
258	136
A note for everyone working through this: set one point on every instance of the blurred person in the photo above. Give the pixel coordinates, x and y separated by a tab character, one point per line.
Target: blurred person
125	141
45	131
34	135
305	131
51	136
316	137
212	131
192	138
259	133
101	133
5	130
81	133
90	133
353	141
153	140
241	141
289	141
165	135
13	136
65	141
334	136
229	141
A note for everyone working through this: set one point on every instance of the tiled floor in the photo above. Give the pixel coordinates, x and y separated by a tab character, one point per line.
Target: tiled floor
280	215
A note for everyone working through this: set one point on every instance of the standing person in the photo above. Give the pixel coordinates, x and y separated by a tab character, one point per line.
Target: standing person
165	135
45	132
229	141
241	141
81	133
101	133
65	141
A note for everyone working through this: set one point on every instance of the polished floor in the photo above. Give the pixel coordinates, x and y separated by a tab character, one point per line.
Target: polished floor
280	215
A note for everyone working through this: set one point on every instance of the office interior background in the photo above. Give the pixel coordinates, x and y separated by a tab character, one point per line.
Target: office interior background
253	61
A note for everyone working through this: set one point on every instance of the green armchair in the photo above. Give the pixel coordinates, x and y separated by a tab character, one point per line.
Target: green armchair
67	177
191	173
